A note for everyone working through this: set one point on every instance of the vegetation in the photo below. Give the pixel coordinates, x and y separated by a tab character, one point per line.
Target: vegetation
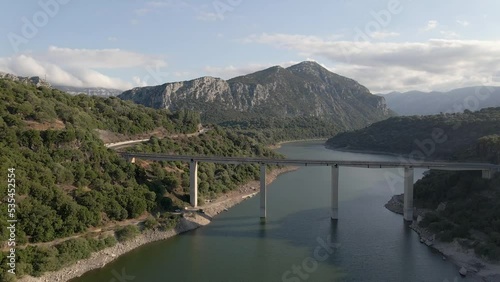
472	210
127	233
272	130
444	136
67	181
35	260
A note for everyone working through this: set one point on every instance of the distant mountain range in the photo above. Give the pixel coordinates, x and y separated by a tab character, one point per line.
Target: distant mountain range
454	101
305	89
92	91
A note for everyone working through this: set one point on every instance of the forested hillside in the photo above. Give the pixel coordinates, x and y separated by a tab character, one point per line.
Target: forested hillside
444	136
463	207
67	182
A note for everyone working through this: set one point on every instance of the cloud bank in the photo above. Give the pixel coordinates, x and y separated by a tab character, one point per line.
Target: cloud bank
437	64
80	67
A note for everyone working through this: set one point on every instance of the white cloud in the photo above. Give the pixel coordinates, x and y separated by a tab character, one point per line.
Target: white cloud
79	67
432	24
436	64
100	58
463	23
383	34
112	38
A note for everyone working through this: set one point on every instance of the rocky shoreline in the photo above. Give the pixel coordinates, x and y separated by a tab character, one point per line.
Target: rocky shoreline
469	263
187	223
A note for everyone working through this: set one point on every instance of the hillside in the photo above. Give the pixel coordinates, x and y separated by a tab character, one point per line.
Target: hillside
68	184
306	90
454	101
455	135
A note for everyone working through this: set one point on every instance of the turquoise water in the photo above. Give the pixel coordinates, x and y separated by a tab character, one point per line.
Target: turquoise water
368	242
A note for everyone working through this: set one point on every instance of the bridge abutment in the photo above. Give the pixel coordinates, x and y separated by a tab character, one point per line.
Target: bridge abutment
335	192
193	183
263	188
408	194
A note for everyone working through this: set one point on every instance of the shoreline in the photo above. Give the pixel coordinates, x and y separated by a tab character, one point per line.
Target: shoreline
191	221
344	149
278	145
477	268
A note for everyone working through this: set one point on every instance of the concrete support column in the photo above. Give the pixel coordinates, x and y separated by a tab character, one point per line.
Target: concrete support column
263	200
193	183
488	174
335	192
408	196
132	160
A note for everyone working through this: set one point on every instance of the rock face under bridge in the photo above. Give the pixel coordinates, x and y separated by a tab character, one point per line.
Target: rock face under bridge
306	89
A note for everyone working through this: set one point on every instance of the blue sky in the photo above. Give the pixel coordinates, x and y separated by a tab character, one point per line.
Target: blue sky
384	44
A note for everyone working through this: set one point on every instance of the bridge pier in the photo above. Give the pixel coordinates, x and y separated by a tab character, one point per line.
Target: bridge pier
193	183
487	174
335	192
408	196
263	188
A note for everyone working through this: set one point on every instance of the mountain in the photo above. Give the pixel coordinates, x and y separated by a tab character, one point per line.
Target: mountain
35	80
454	101
302	90
92	91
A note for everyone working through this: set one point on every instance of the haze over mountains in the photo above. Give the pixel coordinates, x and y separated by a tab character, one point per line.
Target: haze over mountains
305	89
454	101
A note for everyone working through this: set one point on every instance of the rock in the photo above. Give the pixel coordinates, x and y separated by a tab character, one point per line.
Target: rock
422	240
462	271
444	258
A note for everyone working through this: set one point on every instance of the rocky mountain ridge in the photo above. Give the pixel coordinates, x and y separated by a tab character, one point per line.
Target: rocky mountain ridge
36	80
304	89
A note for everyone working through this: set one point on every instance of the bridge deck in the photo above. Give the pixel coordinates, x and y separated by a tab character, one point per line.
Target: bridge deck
305	162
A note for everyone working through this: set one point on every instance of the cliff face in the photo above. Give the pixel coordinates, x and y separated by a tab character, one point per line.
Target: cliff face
305	89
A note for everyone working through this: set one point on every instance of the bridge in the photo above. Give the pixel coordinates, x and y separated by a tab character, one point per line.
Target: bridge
487	172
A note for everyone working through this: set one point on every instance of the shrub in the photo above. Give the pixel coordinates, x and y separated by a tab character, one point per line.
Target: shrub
127	233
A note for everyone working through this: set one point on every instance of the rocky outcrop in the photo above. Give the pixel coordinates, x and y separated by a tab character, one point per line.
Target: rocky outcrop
305	89
37	81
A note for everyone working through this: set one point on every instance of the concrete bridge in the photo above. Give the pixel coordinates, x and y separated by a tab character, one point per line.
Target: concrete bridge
487	172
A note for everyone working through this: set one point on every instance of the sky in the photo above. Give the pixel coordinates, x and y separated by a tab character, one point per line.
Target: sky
386	45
